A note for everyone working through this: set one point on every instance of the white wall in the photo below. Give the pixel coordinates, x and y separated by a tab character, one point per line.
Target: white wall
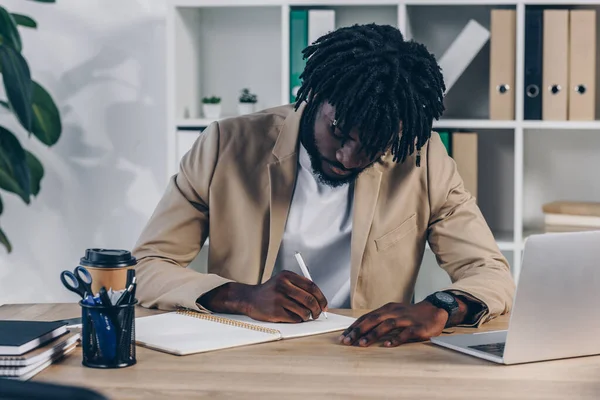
103	62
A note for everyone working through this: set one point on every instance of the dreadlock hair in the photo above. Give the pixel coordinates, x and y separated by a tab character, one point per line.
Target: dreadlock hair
379	83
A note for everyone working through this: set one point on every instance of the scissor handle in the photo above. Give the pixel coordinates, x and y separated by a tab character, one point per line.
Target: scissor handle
70	281
85	278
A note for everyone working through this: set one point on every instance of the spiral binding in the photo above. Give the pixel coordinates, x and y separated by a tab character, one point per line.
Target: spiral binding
228	321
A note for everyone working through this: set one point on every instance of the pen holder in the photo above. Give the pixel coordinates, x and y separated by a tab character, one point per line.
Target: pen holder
108	335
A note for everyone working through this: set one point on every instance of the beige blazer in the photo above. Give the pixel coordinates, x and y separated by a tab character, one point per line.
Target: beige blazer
235	185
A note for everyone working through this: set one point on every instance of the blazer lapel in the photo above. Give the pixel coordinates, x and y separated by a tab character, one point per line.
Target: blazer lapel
366	192
282	178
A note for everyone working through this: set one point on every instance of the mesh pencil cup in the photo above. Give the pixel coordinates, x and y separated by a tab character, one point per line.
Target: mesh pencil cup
108	336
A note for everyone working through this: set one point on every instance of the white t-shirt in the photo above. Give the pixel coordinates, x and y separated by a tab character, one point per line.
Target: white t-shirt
319	226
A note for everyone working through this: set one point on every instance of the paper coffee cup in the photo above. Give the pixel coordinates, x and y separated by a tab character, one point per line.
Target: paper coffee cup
108	268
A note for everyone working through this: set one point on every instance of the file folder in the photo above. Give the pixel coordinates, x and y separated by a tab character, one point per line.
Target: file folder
502	64
532	98
320	22
556	65
464	153
462	51
298	41
306	26
582	65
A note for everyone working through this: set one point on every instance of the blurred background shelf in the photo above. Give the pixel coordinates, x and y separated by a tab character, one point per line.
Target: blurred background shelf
520	163
196	123
473	124
562	125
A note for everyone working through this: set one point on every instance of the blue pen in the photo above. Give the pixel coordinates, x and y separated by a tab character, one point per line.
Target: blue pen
105	331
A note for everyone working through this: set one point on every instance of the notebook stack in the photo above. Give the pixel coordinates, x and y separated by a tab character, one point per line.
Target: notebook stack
568	216
28	347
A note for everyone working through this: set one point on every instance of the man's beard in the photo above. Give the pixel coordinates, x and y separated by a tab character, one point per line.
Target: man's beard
307	136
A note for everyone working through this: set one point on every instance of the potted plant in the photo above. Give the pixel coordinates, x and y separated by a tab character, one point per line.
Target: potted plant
247	102
21	172
211	107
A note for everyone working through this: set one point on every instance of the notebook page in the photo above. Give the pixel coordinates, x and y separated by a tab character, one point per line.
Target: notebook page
335	322
181	334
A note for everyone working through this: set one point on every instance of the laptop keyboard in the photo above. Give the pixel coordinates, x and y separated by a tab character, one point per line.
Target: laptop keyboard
496	349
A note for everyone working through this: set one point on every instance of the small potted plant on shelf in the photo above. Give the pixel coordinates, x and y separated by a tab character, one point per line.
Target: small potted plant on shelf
211	107
247	102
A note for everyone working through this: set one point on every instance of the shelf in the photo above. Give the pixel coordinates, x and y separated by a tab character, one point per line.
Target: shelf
474	124
452	124
192	123
224	3
448	124
582	125
201	68
255	3
459	2
560	2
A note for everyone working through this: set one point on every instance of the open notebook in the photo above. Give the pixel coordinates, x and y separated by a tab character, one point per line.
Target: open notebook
187	332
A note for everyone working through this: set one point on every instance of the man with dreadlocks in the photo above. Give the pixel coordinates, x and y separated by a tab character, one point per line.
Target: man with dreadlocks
352	177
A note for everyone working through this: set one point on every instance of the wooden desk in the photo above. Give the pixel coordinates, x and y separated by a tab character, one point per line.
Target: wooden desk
318	367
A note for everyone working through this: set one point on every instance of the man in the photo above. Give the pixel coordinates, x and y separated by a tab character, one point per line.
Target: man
352	178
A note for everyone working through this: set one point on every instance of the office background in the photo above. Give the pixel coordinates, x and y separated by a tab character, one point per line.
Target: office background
129	76
104	63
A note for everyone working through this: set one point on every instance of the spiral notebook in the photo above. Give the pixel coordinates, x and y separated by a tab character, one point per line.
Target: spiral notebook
189	332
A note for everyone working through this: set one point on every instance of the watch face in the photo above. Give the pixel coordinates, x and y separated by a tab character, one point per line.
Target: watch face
445	297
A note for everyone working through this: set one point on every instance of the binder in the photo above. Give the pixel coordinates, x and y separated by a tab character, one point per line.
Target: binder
320	22
582	65
502	64
556	65
462	51
306	26
464	153
298	41
446	138
532	79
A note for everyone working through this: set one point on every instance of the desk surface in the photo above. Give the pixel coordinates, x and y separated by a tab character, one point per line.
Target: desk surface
318	367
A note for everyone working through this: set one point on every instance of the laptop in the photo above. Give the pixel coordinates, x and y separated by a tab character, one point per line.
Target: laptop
555	312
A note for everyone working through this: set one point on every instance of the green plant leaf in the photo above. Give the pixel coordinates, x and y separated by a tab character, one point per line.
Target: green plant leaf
14	172
36	173
24	20
4	240
1	205
47	126
17	82
5	105
9	34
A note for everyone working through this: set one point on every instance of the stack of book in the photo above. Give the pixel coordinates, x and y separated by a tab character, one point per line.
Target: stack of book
566	216
28	347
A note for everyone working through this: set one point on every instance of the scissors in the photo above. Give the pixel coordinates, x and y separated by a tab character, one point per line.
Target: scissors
79	281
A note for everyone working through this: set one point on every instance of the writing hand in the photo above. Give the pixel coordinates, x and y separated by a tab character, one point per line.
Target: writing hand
286	297
395	324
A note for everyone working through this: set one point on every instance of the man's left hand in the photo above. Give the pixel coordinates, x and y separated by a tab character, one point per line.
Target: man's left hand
396	323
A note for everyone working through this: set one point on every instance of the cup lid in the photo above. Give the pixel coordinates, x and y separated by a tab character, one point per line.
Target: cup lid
107	258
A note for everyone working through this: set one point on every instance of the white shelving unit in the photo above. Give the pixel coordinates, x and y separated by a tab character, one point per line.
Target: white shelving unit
218	47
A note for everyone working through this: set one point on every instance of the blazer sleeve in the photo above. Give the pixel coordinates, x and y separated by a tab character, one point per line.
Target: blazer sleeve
176	231
461	240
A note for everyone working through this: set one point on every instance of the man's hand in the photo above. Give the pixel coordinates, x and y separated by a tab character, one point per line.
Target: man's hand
397	323
286	297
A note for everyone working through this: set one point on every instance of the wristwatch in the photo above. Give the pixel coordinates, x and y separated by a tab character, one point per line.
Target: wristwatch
444	300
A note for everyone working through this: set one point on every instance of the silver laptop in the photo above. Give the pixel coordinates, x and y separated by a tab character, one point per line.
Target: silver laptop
556	310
